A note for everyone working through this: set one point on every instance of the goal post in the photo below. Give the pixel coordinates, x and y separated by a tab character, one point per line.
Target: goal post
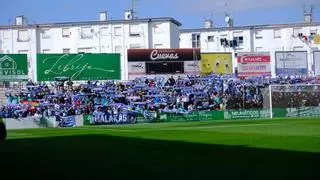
270	100
294	100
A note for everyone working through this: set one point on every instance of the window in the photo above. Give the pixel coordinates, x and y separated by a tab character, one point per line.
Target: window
297	48
86	33
165	68
195	40
277	33
65	32
45	51
237	33
135	30
313	32
45	34
117	31
296	32
6	35
136	46
239	40
210	38
158	46
66	50
258	34
104	31
224	42
117	49
85	50
259	49
157	29
23	35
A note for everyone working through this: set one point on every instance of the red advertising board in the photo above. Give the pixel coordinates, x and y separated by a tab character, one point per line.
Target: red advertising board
254	64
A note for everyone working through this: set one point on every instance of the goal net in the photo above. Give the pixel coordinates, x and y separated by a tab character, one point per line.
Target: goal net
301	100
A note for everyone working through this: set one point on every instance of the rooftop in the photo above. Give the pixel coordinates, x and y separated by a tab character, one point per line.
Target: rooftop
85	23
264	26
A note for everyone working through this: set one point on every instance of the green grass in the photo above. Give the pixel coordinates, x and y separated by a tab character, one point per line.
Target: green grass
263	149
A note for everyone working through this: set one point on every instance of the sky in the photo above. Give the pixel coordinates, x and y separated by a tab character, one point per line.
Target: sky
191	13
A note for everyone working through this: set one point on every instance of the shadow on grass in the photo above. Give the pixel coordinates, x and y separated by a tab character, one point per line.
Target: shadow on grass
103	156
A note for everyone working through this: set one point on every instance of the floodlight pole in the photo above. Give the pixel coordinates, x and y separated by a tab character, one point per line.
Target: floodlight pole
270	99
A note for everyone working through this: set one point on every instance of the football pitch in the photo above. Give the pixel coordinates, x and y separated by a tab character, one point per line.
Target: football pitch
254	149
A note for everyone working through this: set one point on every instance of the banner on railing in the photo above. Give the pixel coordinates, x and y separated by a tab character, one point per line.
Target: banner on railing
121	118
69	121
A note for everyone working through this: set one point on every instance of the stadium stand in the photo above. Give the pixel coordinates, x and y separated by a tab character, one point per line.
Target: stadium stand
121	102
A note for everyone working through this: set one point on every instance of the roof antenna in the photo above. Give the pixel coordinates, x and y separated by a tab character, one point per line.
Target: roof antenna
133	8
208	23
308	14
211	14
228	19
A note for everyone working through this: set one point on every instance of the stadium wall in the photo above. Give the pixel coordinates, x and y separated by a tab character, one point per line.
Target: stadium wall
35	122
250	114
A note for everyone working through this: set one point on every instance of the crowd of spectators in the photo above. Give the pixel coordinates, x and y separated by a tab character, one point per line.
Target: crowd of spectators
294	97
172	95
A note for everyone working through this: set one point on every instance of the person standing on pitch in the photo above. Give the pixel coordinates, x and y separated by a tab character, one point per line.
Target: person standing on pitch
3	131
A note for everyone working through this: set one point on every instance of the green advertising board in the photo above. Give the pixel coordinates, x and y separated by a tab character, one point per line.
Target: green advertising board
297	112
242	114
193	116
78	66
13	67
217	115
247	114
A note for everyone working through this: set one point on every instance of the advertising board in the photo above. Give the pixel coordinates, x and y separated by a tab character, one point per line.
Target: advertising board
13	67
254	64
136	68
191	67
291	63
316	61
78	66
218	63
154	55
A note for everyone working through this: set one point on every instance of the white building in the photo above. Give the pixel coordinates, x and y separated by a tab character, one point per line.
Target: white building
258	38
104	36
117	36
